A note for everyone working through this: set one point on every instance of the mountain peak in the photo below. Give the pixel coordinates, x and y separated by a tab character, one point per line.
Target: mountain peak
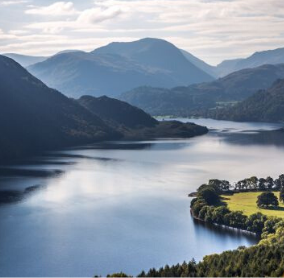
119	67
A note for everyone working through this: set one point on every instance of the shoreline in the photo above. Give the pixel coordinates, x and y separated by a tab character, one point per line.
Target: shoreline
223	226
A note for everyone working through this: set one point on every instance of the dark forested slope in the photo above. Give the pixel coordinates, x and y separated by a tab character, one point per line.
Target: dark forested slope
263	106
134	123
117	112
34	117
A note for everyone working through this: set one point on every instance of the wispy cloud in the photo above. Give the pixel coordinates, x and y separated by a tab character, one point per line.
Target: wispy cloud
97	15
13	2
56	9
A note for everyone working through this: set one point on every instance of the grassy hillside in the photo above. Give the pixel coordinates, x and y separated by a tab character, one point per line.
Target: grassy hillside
246	202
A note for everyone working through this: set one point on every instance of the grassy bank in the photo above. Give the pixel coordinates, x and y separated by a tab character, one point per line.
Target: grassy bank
246	202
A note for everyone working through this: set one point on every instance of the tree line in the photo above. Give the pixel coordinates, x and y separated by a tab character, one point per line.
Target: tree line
262	260
249	184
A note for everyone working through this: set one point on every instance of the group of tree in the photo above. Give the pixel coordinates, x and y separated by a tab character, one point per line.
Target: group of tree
265	259
208	207
249	184
221	215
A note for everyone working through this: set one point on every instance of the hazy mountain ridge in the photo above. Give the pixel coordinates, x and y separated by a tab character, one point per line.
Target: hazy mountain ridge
196	99
110	71
272	57
25	60
159	54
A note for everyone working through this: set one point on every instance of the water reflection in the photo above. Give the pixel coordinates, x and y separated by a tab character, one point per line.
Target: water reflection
12	196
123	206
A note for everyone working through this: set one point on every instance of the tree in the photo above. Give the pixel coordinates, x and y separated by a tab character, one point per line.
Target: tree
281	180
253	182
269	182
261	183
209	195
267	199
255	222
222	185
281	195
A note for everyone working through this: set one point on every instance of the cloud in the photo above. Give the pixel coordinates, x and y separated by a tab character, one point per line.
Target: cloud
97	15
212	29
13	2
56	9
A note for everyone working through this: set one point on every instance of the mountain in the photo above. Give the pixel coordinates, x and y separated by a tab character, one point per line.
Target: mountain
25	60
34	117
134	123
226	67
118	67
79	73
195	99
271	57
117	112
263	106
200	64
159	54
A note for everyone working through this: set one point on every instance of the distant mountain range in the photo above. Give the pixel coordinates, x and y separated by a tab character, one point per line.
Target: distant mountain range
169	59
34	117
25	60
271	57
195	99
119	67
263	106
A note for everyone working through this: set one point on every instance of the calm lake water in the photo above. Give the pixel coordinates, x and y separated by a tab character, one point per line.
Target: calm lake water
124	206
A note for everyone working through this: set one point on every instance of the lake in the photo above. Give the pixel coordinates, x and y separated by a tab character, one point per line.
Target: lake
123	206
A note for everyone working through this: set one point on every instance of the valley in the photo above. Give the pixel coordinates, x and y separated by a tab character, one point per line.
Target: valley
112	112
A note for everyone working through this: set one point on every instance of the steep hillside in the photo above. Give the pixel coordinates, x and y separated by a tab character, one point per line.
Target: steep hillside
34	117
195	99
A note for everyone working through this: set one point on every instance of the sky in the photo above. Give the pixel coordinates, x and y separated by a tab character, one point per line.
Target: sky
213	30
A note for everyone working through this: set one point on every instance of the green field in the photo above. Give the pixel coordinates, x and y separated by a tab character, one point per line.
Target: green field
246	202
